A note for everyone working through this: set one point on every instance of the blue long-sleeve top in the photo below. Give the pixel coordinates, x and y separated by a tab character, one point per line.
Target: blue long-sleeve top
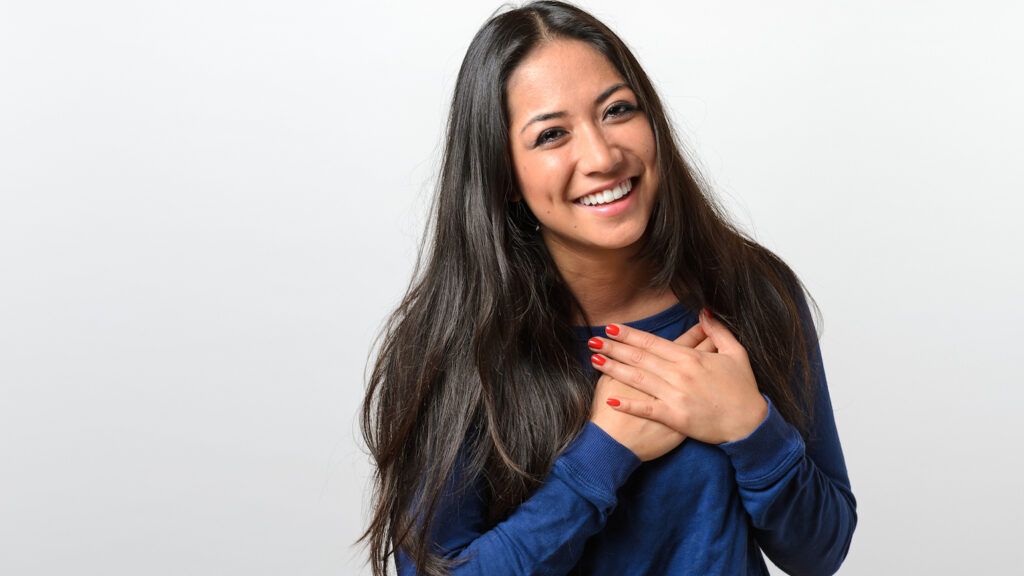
700	509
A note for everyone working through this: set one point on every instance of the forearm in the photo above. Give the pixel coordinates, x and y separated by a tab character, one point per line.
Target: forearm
802	517
547	532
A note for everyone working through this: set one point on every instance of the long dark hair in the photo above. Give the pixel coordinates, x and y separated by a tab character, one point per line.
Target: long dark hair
480	361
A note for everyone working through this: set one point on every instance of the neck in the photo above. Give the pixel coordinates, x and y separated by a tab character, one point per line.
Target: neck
608	285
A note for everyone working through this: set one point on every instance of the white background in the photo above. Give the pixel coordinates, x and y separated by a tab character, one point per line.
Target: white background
207	209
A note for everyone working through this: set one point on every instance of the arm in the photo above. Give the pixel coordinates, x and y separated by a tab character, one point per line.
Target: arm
798	494
546	533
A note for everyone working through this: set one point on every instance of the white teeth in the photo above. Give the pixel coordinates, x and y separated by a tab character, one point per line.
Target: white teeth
608	195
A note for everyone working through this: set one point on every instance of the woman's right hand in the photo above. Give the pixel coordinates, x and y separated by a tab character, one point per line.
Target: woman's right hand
645	438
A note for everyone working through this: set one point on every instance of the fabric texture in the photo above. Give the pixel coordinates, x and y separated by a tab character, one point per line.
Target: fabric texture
699	510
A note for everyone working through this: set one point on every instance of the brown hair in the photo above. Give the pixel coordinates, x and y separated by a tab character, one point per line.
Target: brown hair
478	362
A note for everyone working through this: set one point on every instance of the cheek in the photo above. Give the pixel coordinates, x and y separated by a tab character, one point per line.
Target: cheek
545	180
647	147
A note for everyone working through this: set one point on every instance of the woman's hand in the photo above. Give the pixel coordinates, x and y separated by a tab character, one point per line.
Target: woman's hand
704	391
647	438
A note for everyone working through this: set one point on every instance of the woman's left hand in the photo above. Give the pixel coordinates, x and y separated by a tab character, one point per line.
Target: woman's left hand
708	396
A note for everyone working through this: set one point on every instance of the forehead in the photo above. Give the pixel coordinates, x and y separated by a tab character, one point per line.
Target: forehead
558	75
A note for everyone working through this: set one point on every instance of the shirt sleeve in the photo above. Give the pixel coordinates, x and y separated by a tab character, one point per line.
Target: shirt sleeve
798	494
547	532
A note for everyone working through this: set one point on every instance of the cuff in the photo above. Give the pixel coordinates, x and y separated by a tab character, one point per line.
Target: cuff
763	456
596	465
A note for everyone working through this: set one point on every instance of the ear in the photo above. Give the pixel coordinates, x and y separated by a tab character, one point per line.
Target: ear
513	193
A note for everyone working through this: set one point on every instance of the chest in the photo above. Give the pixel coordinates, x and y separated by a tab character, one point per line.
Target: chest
693	479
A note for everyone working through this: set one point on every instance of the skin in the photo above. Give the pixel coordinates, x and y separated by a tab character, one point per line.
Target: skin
707	392
667	390
591	146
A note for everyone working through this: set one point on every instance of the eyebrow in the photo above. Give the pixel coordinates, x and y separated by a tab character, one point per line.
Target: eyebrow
600	98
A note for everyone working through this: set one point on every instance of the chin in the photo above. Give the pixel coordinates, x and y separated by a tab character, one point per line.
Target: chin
619	241
600	238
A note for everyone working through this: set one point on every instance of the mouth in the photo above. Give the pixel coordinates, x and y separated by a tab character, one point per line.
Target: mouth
617	195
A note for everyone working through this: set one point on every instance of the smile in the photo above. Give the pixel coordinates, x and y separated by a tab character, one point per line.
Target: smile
607	196
611	202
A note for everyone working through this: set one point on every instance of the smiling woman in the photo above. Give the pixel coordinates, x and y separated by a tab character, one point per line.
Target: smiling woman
553	395
573	166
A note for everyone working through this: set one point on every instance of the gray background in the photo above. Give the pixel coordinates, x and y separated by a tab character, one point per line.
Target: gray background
208	208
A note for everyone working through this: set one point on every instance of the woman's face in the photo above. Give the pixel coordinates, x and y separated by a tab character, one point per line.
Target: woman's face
574	129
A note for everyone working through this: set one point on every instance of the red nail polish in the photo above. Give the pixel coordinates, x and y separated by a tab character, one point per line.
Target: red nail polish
612	329
613	402
595	343
597	359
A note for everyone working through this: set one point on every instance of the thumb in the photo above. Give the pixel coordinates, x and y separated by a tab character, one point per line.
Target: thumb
720	336
692	337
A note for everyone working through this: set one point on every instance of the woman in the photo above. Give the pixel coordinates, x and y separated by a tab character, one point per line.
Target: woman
550	397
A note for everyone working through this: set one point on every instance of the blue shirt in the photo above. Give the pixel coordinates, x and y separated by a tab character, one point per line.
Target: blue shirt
700	509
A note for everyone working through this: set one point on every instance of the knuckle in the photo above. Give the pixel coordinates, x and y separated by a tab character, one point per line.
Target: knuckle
647	410
637	355
677	398
645	340
683	377
683	416
695	360
675	382
639	377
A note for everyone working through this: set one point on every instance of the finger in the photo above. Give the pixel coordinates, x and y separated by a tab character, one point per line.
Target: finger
666	349
649	409
720	335
692	337
632	376
633	356
706	345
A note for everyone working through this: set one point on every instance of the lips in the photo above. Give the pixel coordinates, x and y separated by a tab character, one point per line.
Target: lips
608	193
613	208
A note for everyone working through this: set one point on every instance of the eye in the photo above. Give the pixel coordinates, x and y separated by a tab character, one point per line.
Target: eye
624	107
617	110
545	136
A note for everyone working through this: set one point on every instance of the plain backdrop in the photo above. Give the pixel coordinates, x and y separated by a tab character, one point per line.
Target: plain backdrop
208	209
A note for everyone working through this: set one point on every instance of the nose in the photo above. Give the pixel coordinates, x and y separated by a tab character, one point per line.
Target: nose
596	153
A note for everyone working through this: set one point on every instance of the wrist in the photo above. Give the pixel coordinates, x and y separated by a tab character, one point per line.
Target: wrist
756	414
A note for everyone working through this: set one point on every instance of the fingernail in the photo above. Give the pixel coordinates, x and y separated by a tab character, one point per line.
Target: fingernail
597	359
707	312
612	330
613	402
595	343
